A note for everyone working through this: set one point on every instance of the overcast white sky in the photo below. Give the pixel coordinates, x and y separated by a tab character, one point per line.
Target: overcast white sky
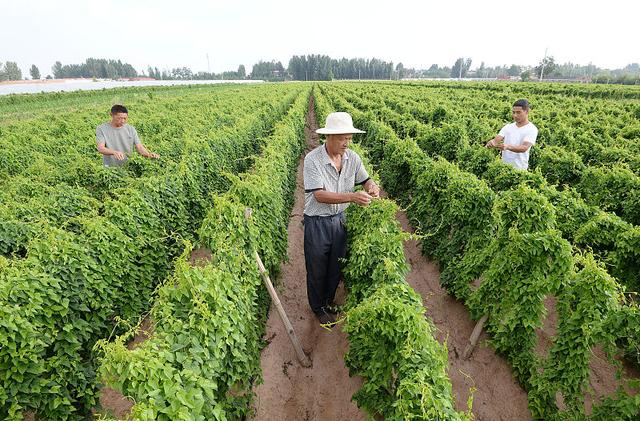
179	33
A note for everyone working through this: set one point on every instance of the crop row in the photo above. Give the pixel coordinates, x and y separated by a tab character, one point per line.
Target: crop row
614	240
591	145
501	253
391	342
73	271
204	355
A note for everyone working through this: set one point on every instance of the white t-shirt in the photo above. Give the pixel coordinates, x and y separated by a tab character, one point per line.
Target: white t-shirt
515	136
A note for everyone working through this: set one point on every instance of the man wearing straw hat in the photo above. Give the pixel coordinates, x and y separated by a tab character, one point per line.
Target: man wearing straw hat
331	171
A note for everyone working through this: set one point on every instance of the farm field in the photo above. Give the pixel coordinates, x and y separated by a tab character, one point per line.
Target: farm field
550	256
84	247
520	246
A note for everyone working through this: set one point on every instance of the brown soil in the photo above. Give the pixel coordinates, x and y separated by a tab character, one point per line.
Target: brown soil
497	395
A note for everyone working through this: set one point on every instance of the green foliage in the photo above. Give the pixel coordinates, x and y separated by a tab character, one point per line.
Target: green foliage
610	189
204	356
391	346
444	198
585	302
516	246
574	211
391	343
200	362
501	176
376	256
560	166
524	210
446	141
476	159
86	245
528	260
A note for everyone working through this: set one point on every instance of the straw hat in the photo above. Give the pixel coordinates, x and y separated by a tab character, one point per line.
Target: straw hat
339	123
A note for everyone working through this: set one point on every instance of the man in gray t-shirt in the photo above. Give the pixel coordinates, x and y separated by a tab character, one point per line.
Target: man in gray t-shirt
116	139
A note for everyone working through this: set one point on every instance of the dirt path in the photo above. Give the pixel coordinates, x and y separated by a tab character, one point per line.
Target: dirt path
323	392
291	392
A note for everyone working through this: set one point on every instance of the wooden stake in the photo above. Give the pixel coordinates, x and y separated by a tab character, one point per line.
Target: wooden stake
473	340
302	357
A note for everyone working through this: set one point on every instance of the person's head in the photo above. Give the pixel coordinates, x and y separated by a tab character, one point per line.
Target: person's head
339	130
520	111
119	115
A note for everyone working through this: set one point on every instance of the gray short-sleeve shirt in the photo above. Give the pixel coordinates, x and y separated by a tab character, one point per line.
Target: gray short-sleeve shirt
320	173
121	139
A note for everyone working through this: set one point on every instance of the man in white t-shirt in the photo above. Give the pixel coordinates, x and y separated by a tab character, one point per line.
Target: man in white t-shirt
515	139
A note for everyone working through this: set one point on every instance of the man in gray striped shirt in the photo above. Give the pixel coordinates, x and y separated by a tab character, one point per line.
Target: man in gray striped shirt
331	171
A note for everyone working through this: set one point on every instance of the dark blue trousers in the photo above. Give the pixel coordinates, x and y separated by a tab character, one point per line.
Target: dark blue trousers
325	242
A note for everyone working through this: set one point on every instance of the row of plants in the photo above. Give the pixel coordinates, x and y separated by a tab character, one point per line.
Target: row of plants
501	253
589	144
204	354
615	241
209	126
587	91
55	147
80	275
391	342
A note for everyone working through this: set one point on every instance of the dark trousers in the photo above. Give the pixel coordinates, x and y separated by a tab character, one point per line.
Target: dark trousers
325	241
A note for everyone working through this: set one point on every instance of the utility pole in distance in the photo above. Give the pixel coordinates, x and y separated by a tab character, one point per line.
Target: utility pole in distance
542	67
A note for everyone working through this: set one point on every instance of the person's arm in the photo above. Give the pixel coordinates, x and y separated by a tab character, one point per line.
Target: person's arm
102	148
360	197
516	148
362	179
144	152
496	142
140	147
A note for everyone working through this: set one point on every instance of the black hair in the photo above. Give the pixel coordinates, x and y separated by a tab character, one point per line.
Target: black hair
119	109
523	103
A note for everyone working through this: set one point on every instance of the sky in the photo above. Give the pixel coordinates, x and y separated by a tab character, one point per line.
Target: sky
169	34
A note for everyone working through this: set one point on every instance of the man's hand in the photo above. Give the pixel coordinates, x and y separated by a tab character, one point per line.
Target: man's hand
495	142
144	152
503	147
374	190
118	155
361	198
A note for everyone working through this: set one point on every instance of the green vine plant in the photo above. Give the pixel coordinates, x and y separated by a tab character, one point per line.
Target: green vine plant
508	233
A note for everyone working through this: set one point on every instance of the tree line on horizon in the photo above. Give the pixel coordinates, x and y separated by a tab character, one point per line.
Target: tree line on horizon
323	67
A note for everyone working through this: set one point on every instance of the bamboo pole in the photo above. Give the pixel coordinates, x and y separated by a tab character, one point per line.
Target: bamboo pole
302	357
473	340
